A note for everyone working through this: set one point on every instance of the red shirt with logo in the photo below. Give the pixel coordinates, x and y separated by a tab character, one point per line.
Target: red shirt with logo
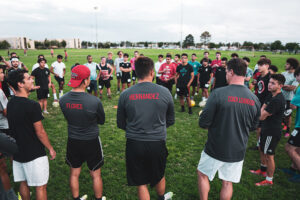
169	73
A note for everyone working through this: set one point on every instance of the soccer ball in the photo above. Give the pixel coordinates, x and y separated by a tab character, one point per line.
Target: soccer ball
193	103
202	103
55	104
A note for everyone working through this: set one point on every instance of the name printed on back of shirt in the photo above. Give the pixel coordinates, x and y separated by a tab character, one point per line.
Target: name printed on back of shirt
241	100
143	96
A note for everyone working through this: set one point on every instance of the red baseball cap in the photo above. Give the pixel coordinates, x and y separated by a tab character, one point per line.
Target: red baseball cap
79	73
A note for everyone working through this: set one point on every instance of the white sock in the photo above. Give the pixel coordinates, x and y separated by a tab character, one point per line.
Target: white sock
54	96
269	178
61	92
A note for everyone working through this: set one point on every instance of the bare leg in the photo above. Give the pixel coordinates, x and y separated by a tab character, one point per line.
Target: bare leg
41	103
24	191
181	100
4	176
203	185
41	192
74	182
294	154
97	182
45	104
226	191
188	99
143	192
161	187
270	165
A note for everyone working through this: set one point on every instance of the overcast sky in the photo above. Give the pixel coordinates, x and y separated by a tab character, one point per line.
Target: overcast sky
154	20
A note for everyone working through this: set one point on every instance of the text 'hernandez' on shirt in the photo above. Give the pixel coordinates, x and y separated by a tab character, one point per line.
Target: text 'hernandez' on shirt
184	74
83	112
145	110
230	113
22	113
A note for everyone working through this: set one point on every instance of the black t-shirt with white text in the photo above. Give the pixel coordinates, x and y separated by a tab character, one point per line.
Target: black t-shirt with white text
220	76
262	87
125	65
41	77
209	61
184	74
22	113
205	73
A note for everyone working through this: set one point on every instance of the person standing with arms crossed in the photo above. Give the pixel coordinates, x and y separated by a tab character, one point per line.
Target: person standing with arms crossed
145	110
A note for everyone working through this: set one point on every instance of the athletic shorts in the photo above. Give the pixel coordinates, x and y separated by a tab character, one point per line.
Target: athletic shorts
158	81
80	151
133	75
269	140
183	91
204	85
227	171
92	86
295	138
168	84
59	80
35	172
145	162
288	111
194	83
103	83
42	93
126	78
119	75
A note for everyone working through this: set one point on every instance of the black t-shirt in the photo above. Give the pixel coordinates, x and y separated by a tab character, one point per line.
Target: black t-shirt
209	61
41	77
205	73
262	87
184	74
22	113
126	65
276	107
220	76
110	61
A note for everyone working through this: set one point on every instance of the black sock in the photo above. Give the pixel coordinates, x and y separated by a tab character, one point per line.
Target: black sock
76	198
288	129
182	107
190	108
263	168
118	88
161	197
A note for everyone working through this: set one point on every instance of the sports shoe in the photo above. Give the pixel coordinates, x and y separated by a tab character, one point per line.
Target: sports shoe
286	135
168	195
103	198
84	197
264	183
196	93
284	128
288	112
46	112
258	172
295	178
190	112
182	109
202	103
175	96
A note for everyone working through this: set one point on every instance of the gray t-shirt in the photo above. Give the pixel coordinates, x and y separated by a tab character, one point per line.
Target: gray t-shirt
289	80
117	64
230	113
83	112
145	111
3	106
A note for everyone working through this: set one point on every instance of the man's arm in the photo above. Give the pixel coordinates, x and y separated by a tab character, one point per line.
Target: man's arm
208	114
121	114
64	72
100	114
170	116
111	69
43	137
256	119
191	80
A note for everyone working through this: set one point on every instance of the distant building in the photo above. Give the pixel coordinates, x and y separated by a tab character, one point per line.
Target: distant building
19	42
73	43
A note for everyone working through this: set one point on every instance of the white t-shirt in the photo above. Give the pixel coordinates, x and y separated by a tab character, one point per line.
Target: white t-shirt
94	67
117	64
3	105
58	68
157	66
36	65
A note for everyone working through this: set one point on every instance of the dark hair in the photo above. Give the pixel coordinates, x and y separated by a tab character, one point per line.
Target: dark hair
3	67
178	55
88	56
136	52
224	59
264	61
143	66
126	55
42	59
238	66
278	77
160	56
119	52
247	59
184	54
102	57
273	68
264	56
293	62
41	55
168	56
297	72
141	54
218	53
234	55
13	53
59	57
205	52
194	54
15	77
205	60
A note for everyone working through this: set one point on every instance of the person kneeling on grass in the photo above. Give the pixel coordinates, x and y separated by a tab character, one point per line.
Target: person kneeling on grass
43	80
145	110
271	117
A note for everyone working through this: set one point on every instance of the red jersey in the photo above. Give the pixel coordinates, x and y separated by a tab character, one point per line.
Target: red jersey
215	62
175	64
169	73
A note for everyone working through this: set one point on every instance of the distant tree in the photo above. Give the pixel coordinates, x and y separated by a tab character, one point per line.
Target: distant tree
84	44
160	44
146	44
4	44
89	44
188	41
277	45
46	43
212	45
292	46
122	44
205	37
63	44
236	44
248	44
128	44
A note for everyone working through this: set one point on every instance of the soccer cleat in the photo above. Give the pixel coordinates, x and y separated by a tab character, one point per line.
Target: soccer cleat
182	109
168	196
84	197
190	112
46	112
103	198
264	183
259	172
286	135
284	128
196	93
19	196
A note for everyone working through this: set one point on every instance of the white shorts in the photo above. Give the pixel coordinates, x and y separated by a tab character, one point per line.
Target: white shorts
35	172
228	171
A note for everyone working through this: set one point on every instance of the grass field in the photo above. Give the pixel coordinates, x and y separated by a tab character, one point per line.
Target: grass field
185	142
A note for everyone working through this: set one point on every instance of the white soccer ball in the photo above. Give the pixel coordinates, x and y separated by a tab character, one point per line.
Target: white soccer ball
202	103
55	104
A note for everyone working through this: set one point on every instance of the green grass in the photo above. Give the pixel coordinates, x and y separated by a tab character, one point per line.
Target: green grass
185	142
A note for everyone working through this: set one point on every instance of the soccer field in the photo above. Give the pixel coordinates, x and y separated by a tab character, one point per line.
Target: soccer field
185	142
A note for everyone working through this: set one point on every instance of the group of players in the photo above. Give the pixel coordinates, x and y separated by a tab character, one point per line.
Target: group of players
275	93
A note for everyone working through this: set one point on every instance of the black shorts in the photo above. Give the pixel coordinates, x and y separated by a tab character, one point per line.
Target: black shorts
158	81
194	83
168	84
204	85
183	91
59	80
80	151
42	93
268	141
92	86
126	78
145	162
295	138
133	75
119	75
288	111
103	83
